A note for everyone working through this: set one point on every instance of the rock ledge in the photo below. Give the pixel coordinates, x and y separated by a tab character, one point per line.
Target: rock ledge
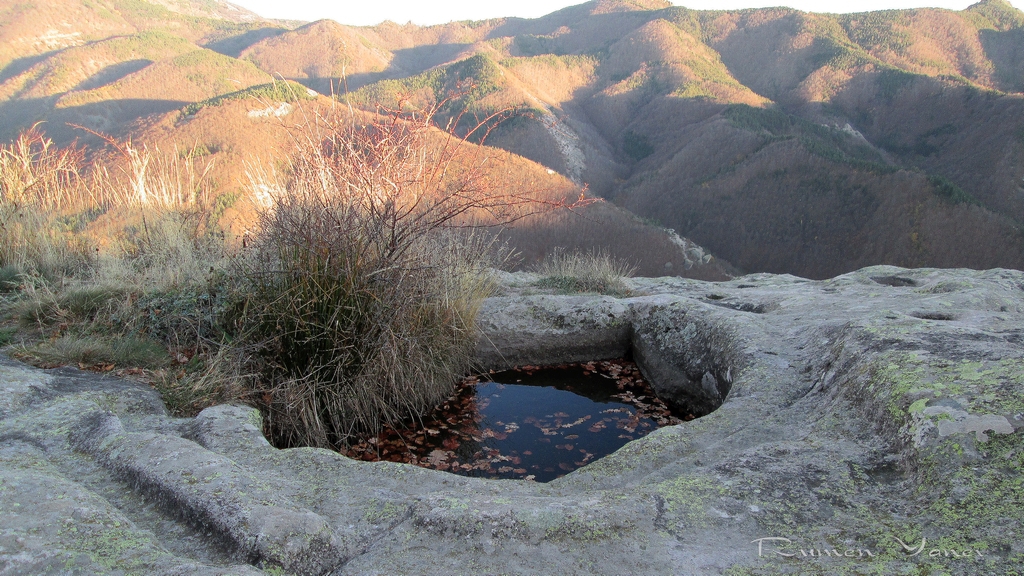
871	423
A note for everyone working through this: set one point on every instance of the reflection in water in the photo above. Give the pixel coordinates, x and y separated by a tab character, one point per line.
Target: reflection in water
529	423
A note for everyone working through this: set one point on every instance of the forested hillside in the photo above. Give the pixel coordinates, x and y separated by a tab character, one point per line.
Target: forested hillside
779	140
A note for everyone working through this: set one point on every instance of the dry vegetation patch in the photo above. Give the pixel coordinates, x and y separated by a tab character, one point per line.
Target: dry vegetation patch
349	305
593	271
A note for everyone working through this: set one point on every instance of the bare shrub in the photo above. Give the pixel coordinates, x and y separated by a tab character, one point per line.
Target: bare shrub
362	282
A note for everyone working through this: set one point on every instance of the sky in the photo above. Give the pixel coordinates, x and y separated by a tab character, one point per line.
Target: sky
425	12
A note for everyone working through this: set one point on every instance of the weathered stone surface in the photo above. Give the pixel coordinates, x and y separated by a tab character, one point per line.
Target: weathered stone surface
575	328
213	491
871	423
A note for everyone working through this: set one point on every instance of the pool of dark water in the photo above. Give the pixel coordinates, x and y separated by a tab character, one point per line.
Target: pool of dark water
528	423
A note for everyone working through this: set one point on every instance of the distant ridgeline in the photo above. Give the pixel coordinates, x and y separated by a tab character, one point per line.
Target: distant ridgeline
778	140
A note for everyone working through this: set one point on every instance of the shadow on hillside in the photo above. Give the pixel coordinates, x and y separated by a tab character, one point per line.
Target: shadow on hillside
405	62
112	73
335	86
959	132
114	117
412	61
577	16
338	86
356	81
763	59
19	65
233	46
19	115
571	30
1006	51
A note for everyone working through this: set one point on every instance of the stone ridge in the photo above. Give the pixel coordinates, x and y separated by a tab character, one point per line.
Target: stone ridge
871	423
214	491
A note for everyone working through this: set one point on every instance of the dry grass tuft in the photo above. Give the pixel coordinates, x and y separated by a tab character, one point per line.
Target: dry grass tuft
594	271
74	291
92	351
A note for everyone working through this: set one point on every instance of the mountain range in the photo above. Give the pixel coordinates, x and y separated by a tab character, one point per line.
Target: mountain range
779	140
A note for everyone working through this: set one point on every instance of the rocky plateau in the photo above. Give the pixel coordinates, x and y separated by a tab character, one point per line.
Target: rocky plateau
869	423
